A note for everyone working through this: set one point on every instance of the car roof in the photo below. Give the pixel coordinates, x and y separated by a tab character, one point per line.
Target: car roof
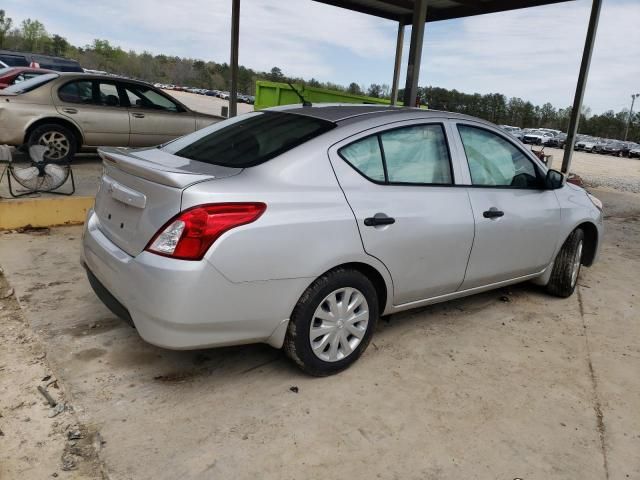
343	112
99	76
31	69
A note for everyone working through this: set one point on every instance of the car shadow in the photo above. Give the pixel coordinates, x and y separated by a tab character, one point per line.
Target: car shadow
248	362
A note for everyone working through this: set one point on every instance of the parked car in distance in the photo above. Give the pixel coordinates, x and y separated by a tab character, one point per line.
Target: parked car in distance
26	59
611	148
635	152
537	137
289	226
626	147
242	98
515	131
586	144
599	146
12	75
557	141
69	111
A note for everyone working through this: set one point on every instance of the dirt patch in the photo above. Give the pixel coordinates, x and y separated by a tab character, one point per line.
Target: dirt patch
132	358
34	438
89	354
175	377
34	230
93	328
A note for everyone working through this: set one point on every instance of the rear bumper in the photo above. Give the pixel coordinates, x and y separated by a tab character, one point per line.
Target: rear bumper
109	300
180	304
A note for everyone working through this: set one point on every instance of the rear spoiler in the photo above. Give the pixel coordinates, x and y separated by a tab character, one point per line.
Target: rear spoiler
152	171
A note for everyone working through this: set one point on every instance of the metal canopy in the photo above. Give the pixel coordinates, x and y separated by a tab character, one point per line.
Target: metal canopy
418	13
402	10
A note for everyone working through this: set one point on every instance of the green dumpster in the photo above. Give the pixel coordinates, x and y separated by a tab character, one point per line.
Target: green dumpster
272	94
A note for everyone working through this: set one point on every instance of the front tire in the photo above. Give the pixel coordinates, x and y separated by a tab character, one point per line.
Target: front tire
332	323
566	268
61	143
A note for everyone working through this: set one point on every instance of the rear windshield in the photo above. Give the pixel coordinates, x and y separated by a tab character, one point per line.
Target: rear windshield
31	84
249	139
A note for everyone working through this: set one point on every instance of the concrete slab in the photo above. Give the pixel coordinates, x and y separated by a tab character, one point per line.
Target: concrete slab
532	387
48	209
44	213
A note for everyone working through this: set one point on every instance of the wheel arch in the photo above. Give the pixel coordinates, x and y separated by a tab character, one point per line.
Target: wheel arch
374	276
383	285
57	121
590	242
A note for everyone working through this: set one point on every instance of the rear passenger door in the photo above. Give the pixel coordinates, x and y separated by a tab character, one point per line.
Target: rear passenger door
399	182
517	219
95	106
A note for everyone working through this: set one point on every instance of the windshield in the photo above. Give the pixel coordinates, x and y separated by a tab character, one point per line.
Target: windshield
249	139
4	70
31	84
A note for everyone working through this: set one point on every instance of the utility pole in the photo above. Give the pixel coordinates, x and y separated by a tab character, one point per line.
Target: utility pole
633	100
582	82
233	64
415	52
397	64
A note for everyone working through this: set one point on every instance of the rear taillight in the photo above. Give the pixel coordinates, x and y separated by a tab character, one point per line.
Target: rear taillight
189	235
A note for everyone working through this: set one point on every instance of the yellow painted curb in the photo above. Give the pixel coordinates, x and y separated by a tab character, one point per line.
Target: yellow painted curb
44	212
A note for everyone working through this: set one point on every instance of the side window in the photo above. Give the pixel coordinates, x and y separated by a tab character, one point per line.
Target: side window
494	161
417	155
144	97
414	155
108	94
365	156
24	76
77	92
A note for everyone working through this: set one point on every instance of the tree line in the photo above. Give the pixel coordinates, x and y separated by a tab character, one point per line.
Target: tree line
32	36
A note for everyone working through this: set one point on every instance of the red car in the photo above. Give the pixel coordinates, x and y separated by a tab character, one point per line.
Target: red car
12	75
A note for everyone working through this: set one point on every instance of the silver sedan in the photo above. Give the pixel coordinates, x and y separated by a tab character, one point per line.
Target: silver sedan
301	226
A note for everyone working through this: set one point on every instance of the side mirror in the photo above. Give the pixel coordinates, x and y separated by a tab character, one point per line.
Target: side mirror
554	180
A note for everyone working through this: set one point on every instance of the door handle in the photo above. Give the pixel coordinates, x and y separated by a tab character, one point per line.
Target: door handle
493	212
379	219
70	110
138	115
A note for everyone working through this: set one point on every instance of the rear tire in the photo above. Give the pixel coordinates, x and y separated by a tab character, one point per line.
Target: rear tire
61	142
566	268
332	323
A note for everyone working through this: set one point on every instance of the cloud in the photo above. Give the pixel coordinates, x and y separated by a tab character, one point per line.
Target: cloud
535	54
532	53
303	38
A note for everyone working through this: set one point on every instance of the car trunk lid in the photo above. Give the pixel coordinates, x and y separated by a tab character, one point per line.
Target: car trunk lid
141	190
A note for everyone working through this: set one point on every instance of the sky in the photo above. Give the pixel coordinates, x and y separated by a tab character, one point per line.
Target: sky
531	53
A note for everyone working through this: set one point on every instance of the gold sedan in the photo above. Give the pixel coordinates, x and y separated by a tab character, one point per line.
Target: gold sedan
67	112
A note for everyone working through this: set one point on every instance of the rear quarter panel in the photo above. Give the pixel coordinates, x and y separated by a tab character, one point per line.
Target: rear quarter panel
307	228
18	113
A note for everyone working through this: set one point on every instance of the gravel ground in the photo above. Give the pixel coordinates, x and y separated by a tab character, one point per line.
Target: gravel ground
506	384
617	183
205	104
622	174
